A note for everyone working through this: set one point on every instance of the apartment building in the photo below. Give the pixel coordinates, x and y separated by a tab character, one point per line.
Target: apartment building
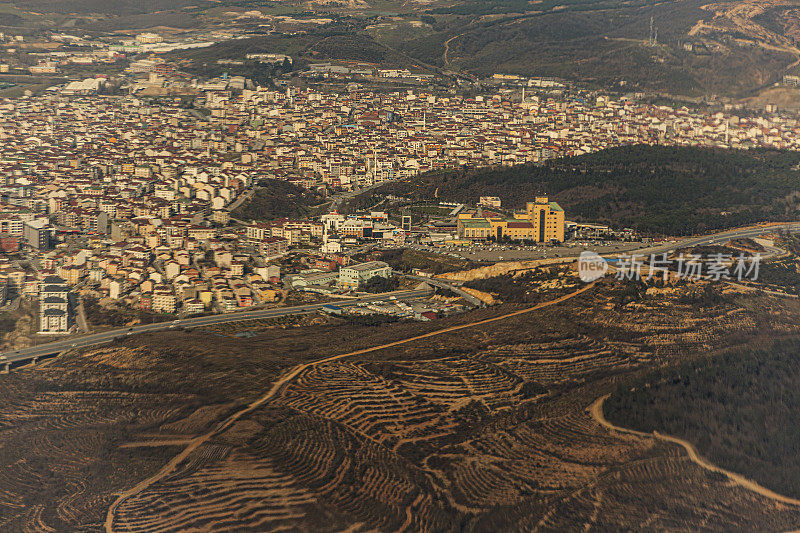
53	306
164	301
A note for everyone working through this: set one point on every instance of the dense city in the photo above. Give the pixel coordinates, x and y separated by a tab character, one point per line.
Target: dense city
399	265
132	200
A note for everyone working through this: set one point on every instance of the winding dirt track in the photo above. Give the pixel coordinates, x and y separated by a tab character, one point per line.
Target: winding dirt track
282	382
447	50
596	410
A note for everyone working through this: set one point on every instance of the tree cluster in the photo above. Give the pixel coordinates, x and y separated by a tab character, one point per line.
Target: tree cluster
739	409
652	189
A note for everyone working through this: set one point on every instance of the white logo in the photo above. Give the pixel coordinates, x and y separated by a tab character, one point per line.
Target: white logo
591	266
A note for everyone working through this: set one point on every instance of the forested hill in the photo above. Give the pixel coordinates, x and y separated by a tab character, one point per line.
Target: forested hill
277	199
654	189
739	410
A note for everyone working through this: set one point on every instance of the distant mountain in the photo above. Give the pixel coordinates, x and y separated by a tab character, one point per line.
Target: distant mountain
687	48
108	7
692	47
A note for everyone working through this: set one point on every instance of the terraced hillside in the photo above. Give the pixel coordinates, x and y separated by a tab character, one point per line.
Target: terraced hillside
480	428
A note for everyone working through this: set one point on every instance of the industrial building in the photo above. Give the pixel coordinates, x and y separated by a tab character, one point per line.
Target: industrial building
352	277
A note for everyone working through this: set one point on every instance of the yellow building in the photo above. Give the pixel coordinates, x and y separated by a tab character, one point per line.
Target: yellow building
149	38
206	297
474	228
269	295
547	219
71	274
542	221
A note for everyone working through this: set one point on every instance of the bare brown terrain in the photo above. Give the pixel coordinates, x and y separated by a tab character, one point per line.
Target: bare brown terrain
754	19
772	25
478	422
785	98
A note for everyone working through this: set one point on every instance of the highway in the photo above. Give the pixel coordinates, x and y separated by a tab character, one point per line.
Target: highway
32	354
718	238
446	285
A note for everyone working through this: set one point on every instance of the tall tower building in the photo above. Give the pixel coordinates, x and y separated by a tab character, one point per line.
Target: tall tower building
547	218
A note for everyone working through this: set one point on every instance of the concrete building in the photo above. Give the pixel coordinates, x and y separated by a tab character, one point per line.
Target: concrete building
489	201
164	301
542	221
38	234
273	246
352	277
53	306
547	219
149	38
9	243
193	306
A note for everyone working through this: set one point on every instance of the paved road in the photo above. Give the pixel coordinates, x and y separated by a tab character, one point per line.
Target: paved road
720	238
447	285
246	195
353	251
35	352
569	253
337	199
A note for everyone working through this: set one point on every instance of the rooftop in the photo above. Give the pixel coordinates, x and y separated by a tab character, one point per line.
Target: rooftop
369	265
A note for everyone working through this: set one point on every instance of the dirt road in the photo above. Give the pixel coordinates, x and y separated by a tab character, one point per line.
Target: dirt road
282	382
596	410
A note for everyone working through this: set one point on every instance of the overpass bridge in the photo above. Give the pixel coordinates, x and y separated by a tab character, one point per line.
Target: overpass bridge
445	285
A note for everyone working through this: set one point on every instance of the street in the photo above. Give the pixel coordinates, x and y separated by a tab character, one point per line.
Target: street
35	352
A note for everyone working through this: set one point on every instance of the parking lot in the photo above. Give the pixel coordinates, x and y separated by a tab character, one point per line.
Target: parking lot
496	252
